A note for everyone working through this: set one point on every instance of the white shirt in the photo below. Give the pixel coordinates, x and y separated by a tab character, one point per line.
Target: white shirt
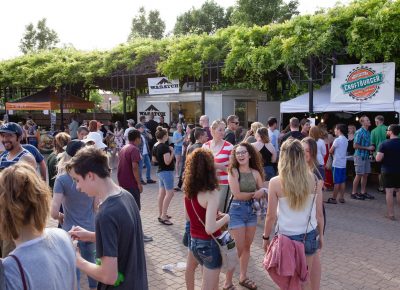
321	151
294	222
144	145
339	156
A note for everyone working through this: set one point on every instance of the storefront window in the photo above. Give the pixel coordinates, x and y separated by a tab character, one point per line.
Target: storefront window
246	111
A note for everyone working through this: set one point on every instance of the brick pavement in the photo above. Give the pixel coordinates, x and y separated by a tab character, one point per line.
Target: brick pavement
362	249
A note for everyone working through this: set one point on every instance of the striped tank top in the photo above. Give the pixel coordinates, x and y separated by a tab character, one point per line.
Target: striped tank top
222	157
4	162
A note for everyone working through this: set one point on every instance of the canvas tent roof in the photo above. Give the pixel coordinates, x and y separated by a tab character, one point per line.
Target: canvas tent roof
48	99
322	103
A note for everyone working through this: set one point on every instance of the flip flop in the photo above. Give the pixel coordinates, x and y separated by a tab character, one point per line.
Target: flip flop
331	200
390	217
230	287
341	200
165	222
249	284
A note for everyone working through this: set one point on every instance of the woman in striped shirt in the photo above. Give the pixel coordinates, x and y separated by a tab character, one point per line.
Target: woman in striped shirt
221	150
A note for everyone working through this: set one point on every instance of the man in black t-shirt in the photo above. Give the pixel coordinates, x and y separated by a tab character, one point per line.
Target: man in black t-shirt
294	130
389	155
118	234
230	131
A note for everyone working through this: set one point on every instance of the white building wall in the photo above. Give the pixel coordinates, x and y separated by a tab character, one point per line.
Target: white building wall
213	105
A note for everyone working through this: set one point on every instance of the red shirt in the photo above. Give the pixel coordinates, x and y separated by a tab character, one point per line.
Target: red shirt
128	154
197	229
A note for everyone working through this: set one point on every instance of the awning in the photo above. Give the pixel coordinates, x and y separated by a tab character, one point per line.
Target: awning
48	99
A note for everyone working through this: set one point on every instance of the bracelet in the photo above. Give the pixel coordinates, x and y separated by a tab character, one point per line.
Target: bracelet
265	238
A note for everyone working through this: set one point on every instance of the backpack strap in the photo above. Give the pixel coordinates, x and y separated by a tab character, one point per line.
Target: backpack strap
21	270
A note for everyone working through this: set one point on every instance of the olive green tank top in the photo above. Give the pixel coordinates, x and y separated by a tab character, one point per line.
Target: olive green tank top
247	182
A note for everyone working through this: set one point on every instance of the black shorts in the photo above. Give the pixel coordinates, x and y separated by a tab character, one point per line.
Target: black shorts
391	180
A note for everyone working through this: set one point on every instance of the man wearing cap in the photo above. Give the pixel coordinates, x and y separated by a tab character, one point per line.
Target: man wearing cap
131	126
11	134
145	152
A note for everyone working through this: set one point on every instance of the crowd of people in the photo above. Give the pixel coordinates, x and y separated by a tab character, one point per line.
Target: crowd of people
229	181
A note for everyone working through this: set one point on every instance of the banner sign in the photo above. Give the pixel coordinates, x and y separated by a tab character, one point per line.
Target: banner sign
370	82
162	85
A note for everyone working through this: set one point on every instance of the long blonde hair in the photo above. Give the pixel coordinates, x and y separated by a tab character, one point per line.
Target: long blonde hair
294	173
63	159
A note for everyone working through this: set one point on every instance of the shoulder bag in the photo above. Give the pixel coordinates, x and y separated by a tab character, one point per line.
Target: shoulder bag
227	249
21	271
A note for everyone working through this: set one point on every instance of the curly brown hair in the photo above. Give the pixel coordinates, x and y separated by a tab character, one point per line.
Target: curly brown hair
200	174
255	160
24	200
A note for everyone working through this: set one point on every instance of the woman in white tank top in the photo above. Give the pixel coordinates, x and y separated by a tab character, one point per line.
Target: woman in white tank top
295	202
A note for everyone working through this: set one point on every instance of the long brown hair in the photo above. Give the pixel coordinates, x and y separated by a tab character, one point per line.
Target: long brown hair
200	174
255	161
24	200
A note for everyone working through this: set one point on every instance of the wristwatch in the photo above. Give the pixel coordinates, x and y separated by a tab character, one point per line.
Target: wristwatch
265	238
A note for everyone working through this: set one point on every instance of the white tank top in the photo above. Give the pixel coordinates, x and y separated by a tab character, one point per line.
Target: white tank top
294	222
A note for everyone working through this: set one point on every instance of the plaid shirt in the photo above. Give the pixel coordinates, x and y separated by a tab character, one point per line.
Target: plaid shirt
362	137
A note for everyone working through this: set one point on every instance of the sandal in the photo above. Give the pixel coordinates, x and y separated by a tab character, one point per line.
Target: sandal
230	287
390	217
341	200
331	200
249	284
165	222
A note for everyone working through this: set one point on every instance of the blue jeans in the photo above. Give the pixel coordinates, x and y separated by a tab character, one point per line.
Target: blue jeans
87	250
146	160
269	172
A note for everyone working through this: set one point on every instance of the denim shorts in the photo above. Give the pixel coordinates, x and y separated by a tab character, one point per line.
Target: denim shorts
207	253
242	214
311	244
166	180
178	150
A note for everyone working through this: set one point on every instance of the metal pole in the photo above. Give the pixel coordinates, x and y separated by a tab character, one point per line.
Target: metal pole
310	88
124	95
62	108
203	93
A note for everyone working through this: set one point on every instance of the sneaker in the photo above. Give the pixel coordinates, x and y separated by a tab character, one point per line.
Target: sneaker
147	239
143	182
367	196
150	181
357	196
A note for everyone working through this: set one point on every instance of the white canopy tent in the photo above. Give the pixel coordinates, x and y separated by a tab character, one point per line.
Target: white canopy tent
322	103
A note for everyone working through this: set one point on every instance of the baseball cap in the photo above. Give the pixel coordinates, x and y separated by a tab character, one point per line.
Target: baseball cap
96	138
12	128
73	146
131	121
139	125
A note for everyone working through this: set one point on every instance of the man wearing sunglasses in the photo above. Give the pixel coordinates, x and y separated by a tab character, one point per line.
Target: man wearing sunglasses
230	131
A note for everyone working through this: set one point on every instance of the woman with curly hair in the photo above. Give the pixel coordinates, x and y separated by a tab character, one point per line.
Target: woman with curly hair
24	209
201	204
246	178
60	141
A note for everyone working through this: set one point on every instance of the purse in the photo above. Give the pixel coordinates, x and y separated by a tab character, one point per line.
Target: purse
328	165
21	271
227	249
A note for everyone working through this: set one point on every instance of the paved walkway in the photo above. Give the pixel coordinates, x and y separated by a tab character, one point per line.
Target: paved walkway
362	249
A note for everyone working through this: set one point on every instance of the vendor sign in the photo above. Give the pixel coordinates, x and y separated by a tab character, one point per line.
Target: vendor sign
371	82
162	86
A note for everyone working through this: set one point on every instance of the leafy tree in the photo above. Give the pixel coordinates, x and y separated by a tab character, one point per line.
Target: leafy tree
207	19
96	97
261	12
147	26
39	38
